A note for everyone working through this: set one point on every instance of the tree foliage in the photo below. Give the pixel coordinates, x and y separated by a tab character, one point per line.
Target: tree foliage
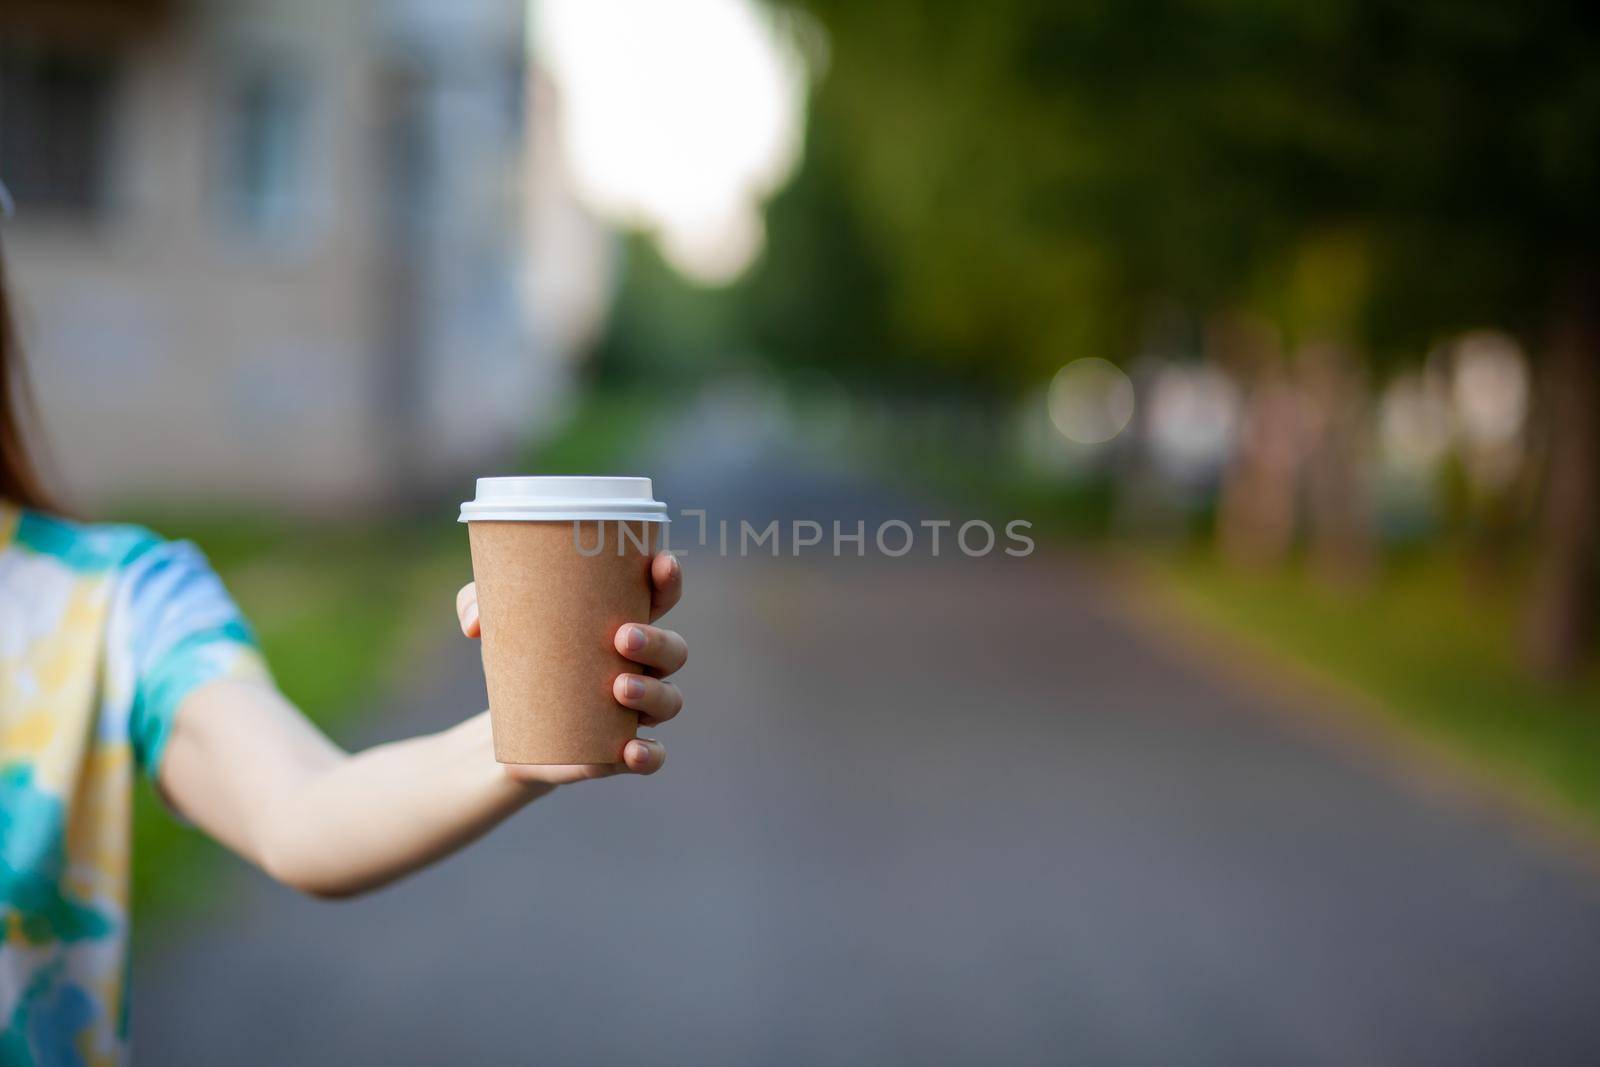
1034	173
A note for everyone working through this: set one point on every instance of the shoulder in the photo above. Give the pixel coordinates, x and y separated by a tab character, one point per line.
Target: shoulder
83	546
160	589
87	548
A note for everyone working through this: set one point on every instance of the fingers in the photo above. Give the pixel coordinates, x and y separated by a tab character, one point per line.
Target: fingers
639	756
643	756
666	584
467	609
655	701
652	647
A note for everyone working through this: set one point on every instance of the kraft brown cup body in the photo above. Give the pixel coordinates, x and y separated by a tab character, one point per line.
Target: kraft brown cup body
551	597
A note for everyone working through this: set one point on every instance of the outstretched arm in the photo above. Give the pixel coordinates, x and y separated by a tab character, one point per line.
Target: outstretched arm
244	765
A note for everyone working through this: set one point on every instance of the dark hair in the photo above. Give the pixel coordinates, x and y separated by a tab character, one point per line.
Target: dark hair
19	479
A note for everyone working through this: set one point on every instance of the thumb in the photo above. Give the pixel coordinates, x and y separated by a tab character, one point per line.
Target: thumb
467	609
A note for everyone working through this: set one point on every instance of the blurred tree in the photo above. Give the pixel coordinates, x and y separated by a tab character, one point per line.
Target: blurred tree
819	299
662	328
1489	160
1362	176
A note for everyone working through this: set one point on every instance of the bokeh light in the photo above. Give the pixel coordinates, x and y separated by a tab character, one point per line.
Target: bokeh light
1414	422
679	119
1489	396
1090	401
1489	389
1192	420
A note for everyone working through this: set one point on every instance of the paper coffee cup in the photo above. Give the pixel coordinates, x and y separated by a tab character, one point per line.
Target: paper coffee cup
560	563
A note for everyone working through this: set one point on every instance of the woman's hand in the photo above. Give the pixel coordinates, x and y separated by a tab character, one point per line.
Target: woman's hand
658	651
242	763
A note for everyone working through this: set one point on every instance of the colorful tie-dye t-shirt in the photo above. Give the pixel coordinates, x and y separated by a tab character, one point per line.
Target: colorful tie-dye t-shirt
103	631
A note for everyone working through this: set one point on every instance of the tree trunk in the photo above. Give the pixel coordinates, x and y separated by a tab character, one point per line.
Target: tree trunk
1338	465
1256	509
1558	631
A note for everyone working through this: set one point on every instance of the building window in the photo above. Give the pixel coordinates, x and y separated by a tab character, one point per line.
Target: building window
264	152
55	126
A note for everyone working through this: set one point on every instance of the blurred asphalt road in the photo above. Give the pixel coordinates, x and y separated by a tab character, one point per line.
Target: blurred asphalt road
919	811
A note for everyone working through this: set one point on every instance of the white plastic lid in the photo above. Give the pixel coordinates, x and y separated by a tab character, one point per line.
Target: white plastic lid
561	498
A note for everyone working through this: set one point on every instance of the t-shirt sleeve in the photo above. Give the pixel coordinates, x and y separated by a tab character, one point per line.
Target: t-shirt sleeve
178	630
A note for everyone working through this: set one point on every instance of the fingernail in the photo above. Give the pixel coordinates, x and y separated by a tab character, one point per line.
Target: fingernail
633	688
634	639
674	568
470	616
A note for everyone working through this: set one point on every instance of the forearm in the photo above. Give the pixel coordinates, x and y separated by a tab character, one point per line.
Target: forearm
379	814
246	767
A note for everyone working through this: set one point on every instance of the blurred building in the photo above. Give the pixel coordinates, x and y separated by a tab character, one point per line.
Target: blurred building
286	250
